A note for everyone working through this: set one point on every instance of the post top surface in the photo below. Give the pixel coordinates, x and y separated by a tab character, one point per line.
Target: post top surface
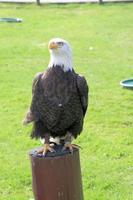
58	152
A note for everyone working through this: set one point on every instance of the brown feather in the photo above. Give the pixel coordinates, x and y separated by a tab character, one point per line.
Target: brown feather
59	103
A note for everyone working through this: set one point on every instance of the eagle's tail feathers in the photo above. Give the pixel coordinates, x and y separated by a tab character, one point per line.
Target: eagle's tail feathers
28	118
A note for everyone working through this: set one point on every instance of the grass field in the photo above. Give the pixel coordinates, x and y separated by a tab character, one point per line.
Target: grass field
102	41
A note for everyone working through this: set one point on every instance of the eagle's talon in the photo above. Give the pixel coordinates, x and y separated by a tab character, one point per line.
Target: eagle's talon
70	147
45	149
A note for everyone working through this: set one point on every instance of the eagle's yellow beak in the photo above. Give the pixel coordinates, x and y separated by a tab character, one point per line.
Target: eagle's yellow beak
53	45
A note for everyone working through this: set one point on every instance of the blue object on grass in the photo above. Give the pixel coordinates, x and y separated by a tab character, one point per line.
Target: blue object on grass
128	83
7	19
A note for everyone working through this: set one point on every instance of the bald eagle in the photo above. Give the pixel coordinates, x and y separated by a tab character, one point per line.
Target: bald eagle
59	99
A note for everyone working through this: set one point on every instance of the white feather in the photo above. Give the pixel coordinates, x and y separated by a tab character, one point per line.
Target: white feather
55	140
61	56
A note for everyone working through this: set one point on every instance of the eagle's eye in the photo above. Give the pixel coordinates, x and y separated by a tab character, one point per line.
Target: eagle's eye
60	44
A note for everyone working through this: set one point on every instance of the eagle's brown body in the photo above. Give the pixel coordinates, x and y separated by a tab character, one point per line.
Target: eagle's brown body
59	103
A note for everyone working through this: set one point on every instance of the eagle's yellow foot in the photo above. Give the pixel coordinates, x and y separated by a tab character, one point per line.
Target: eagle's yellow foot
70	146
45	149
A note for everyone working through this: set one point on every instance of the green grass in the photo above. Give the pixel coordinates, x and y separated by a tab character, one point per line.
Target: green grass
107	139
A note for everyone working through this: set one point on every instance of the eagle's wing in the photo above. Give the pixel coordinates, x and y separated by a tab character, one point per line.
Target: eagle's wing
29	115
35	81
83	90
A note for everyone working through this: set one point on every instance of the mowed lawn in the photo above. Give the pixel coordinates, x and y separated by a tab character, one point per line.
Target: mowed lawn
102	42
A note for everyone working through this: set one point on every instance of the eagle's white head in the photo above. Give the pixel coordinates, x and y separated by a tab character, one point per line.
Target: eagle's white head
60	54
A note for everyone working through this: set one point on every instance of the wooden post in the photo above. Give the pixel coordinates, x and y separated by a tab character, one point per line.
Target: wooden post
38	2
57	176
100	1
